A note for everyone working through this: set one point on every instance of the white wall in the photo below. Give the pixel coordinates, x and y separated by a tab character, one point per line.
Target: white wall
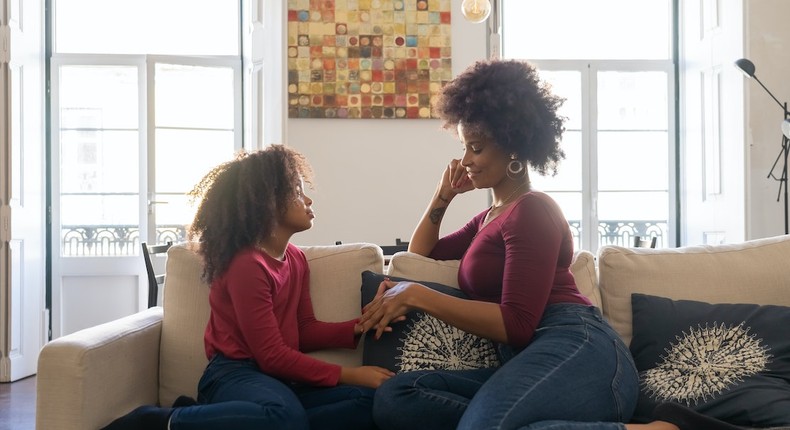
767	45
374	178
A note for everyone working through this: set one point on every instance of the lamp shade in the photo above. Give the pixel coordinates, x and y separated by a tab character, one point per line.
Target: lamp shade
746	66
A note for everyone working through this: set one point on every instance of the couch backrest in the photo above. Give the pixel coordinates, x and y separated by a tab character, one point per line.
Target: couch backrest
335	280
756	271
416	267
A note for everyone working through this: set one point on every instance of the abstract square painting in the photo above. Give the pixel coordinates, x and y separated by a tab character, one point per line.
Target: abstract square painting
367	58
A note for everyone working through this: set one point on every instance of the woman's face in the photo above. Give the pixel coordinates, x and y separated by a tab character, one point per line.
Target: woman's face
484	160
299	216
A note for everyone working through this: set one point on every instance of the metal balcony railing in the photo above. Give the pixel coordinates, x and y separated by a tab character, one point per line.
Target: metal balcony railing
112	240
124	240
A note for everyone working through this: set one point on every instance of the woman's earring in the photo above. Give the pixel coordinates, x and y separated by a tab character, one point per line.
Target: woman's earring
516	168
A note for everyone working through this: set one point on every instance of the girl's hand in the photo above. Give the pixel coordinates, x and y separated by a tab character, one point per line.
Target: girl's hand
367	376
393	300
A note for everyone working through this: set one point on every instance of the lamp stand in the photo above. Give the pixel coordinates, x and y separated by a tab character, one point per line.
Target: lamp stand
783	153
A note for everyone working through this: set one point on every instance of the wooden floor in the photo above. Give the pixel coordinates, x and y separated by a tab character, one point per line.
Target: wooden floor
18	404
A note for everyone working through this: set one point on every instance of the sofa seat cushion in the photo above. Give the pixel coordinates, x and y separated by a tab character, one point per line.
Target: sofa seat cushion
727	361
334	289
422	342
755	271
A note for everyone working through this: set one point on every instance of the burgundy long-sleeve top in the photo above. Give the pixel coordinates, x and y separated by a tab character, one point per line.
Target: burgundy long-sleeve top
261	309
521	260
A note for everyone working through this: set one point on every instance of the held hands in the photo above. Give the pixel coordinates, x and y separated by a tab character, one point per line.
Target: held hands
391	303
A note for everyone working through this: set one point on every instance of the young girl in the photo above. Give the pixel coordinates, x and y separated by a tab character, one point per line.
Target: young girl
262	320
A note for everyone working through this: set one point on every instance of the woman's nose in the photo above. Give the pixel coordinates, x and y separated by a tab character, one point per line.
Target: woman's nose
466	160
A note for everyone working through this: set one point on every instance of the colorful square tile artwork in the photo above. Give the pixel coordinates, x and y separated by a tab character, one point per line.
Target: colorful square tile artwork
367	58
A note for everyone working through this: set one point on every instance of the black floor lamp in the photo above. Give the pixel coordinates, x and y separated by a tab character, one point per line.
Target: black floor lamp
747	67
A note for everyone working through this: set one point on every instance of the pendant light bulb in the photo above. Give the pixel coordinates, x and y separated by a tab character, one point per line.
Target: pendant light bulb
476	11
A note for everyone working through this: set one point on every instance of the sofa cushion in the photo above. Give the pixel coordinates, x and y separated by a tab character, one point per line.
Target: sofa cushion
727	361
422	342
414	266
334	289
755	271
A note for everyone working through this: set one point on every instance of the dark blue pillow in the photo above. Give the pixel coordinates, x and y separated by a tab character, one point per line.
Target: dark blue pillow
422	342
726	361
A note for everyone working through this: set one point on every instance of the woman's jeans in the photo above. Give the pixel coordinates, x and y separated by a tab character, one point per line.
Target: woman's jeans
575	374
236	395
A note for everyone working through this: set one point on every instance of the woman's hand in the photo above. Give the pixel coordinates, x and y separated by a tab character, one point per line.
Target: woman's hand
393	300
454	180
367	376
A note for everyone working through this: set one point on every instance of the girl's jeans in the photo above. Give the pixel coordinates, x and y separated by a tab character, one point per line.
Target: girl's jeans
236	395
575	374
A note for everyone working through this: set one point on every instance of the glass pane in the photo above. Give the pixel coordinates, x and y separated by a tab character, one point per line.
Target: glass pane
632	101
567	84
569	172
574	29
633	161
623	215
175	27
99	225
190	96
93	210
98	97
571	204
99	160
183	157
629	206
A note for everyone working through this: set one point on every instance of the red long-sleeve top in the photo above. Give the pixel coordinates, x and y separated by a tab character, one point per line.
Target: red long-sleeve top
261	309
521	260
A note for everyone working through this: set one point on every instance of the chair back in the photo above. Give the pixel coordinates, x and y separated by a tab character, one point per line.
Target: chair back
155	280
640	242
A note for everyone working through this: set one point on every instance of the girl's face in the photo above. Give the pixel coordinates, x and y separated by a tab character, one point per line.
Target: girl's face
299	216
484	160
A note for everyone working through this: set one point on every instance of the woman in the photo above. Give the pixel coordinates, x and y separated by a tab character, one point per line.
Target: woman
262	319
563	365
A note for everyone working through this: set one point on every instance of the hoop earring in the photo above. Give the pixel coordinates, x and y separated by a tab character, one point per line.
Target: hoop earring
516	169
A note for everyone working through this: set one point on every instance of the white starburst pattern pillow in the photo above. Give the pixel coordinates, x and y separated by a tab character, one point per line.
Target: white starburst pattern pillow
422	342
727	361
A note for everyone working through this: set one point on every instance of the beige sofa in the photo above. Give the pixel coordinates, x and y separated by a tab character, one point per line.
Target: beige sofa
88	378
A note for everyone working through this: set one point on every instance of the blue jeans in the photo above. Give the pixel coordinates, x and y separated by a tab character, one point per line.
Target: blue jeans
575	374
235	394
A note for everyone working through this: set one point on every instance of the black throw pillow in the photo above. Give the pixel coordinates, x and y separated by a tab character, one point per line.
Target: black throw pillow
422	342
726	361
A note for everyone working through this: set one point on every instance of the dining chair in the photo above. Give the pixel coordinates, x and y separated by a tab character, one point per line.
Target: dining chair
155	280
648	242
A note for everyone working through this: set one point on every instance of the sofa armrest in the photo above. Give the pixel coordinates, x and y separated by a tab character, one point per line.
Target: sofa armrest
88	378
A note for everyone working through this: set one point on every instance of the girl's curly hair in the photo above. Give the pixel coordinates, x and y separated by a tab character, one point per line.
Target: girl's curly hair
241	202
507	101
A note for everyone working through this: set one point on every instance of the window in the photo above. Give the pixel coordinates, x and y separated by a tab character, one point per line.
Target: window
145	99
612	61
